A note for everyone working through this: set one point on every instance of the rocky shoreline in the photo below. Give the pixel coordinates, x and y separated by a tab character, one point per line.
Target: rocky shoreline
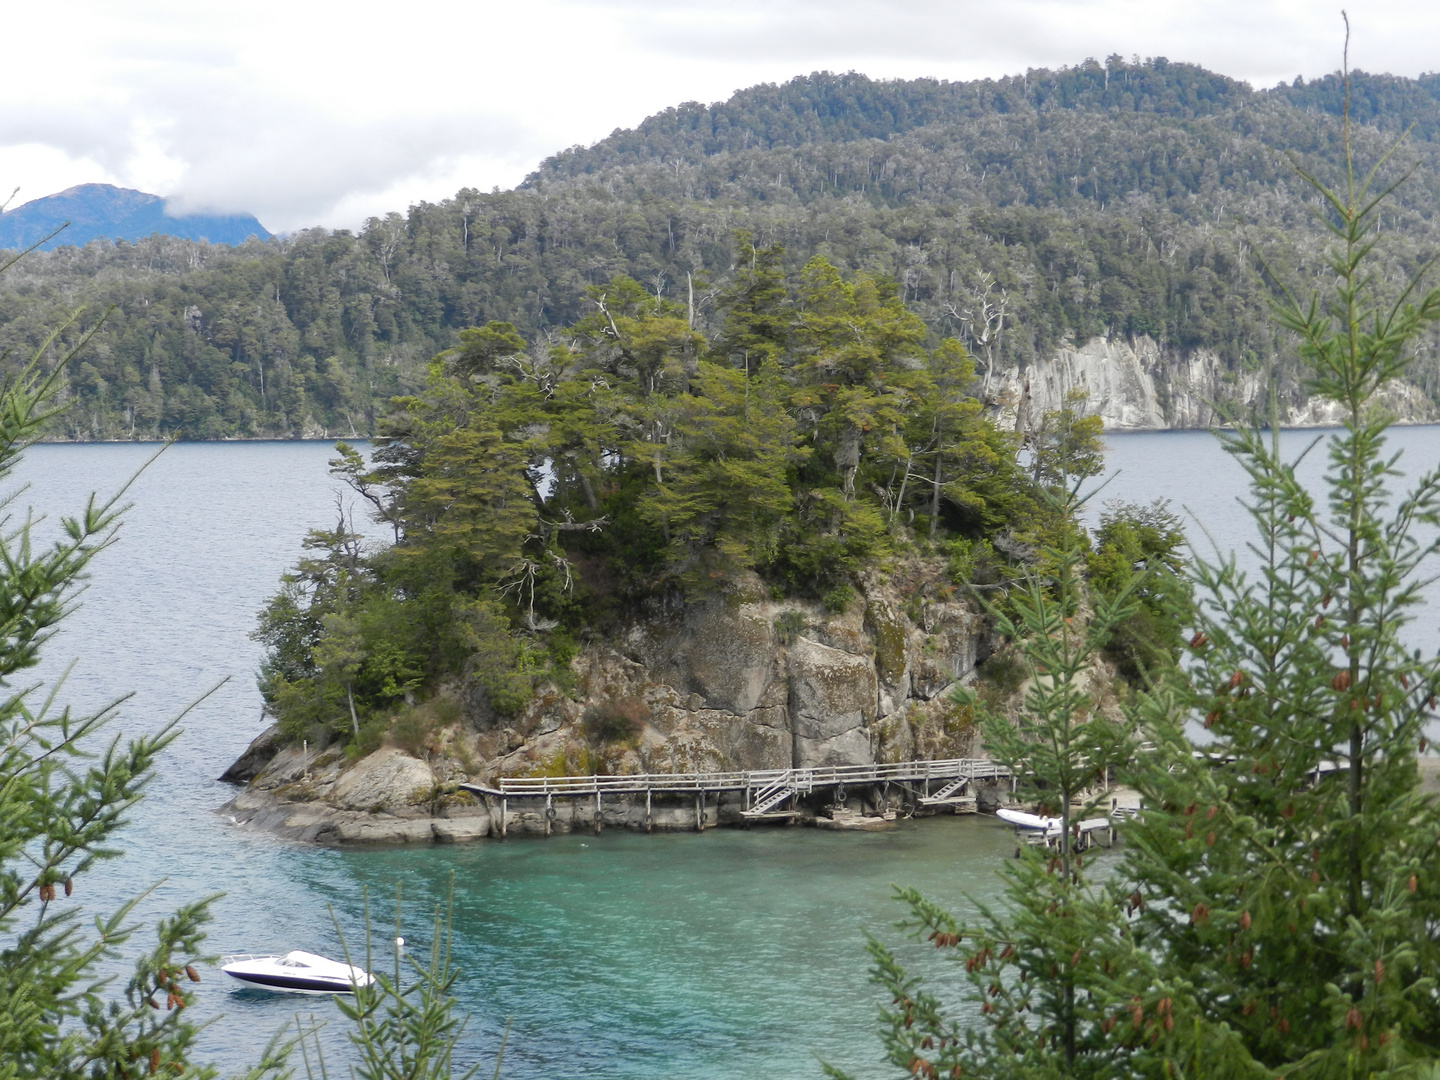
390	797
316	795
734	681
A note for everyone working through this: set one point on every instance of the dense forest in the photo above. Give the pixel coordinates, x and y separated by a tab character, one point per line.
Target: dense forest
536	498
1115	198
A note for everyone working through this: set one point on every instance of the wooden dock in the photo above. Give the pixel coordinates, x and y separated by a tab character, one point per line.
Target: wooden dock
1085	835
766	792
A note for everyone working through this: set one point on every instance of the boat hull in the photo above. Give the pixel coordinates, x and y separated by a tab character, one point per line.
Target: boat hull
295	973
293	986
1022	820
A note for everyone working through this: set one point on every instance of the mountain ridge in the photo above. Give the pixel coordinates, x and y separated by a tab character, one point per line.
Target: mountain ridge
1102	202
107	212
769	115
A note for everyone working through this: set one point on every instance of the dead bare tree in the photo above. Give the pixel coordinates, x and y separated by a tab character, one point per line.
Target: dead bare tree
983	325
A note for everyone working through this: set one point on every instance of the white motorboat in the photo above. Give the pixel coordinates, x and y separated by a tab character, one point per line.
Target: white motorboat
296	973
1022	820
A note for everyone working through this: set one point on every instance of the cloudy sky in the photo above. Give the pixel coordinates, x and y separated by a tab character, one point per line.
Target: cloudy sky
314	112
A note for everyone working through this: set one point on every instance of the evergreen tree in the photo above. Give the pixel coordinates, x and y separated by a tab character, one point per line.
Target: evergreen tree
1138	548
549	487
757	325
64	796
1277	909
728	481
1301	846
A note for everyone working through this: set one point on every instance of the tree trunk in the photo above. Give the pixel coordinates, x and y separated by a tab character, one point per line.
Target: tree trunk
935	492
350	700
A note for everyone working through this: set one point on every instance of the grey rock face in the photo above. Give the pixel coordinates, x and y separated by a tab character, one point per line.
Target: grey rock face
736	682
727	690
833	699
725	656
256	756
383	780
1135	385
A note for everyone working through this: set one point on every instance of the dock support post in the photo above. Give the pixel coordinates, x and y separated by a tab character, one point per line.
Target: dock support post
649	819
503	806
699	811
597	812
549	811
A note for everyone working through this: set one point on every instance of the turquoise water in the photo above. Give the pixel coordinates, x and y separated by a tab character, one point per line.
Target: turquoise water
730	953
725	954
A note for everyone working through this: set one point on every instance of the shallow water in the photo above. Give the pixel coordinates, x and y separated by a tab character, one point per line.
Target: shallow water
731	953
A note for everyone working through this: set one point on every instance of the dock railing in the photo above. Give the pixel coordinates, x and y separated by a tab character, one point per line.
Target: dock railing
792	780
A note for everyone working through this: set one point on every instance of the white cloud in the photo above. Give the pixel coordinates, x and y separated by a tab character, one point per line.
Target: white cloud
307	112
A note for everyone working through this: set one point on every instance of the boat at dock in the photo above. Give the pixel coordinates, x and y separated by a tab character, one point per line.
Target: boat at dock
1022	820
296	972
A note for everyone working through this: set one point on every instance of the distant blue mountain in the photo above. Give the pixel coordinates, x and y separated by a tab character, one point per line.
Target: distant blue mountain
102	211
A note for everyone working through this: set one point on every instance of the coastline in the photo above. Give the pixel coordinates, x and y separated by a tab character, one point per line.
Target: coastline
391	798
54	440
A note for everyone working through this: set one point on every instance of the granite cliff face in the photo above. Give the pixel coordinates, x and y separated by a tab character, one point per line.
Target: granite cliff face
1134	385
740	681
736	681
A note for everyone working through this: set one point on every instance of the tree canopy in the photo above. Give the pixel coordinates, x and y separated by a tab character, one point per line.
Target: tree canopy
537	491
1106	198
1276	910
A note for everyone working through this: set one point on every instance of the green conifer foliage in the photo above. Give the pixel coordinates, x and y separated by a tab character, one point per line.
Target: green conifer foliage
1277	908
64	796
728	481
1140	548
758	323
554	484
1301	848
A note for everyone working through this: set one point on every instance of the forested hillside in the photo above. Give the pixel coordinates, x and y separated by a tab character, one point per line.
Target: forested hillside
1123	198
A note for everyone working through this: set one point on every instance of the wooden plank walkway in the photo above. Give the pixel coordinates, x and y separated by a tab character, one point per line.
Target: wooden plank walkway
1087	834
765	790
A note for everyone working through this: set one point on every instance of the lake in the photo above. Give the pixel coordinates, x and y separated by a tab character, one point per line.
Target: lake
727	954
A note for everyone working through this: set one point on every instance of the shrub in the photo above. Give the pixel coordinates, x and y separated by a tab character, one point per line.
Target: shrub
412	731
372	734
1001	675
615	721
788	625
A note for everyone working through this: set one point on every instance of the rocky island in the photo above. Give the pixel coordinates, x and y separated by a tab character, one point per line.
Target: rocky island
763	542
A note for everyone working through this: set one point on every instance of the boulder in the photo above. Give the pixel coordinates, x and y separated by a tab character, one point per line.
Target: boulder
294	762
385	779
257	755
458	829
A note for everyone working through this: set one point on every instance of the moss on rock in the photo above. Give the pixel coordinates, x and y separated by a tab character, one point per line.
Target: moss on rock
889	634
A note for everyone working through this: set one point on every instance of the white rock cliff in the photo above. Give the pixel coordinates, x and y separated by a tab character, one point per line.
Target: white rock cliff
1134	385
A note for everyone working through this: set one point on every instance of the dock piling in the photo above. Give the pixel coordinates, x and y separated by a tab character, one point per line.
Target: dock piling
765	794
